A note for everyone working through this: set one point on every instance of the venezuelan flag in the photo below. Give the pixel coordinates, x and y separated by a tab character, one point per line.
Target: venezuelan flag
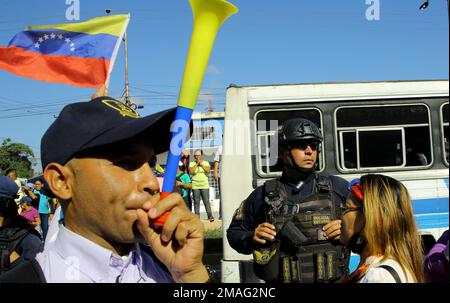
80	54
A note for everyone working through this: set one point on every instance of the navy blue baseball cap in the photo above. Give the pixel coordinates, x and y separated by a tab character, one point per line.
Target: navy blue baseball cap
26	200
101	121
8	188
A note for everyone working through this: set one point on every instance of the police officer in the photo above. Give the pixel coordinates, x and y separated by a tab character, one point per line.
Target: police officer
292	224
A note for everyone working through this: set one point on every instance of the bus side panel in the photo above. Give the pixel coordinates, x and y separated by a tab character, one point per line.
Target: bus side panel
236	174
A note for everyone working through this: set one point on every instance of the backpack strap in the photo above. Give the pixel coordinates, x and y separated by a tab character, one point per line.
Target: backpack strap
27	272
392	271
271	189
9	239
323	183
324	186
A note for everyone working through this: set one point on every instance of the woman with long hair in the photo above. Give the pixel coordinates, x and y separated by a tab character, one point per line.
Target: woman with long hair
378	224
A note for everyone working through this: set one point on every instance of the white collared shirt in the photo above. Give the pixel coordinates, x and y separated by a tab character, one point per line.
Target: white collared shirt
71	258
377	274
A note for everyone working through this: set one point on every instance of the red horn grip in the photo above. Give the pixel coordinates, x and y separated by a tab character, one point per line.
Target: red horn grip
159	222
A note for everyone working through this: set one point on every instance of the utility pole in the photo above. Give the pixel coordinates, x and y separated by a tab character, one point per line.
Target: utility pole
127	91
125	46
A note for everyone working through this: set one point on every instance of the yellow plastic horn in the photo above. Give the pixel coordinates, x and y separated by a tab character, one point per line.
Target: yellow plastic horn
208	17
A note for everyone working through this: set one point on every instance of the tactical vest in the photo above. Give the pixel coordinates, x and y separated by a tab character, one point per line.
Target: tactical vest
305	254
10	237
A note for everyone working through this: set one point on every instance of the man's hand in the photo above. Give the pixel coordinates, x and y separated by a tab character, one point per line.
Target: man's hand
264	231
333	230
180	244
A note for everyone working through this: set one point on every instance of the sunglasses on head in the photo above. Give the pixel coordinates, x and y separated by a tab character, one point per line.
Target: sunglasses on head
355	188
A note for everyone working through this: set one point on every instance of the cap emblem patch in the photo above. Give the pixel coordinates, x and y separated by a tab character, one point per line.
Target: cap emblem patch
121	108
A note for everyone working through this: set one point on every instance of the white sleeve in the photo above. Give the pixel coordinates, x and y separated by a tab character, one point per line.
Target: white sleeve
377	275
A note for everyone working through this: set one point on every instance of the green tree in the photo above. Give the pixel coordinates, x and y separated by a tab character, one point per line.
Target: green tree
17	156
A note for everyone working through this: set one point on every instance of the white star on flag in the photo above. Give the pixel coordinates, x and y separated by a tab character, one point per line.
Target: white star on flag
53	35
45	36
36	45
67	40
72	44
60	36
72	49
40	39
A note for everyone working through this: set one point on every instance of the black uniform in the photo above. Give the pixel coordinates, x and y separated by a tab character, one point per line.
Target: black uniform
253	211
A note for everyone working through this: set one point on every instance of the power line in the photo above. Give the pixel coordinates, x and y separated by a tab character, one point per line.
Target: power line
27	115
42	103
177	86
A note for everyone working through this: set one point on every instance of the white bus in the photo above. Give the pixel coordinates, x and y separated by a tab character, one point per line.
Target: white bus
397	128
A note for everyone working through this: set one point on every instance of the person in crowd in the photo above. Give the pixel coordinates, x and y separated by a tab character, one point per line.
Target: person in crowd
157	169
12	174
199	170
294	222
53	204
183	182
44	204
110	198
18	241
378	224
185	160
217	172
436	261
29	212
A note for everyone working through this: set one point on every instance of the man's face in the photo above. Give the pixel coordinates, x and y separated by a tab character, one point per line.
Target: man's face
304	153
109	184
38	185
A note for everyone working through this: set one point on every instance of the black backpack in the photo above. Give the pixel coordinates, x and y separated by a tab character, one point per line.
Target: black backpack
28	272
10	237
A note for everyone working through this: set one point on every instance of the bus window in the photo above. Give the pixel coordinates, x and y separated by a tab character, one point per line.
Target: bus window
444	119
383	137
267	122
349	151
379	148
264	146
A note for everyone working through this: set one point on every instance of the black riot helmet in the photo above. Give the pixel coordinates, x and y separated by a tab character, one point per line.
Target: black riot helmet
298	129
